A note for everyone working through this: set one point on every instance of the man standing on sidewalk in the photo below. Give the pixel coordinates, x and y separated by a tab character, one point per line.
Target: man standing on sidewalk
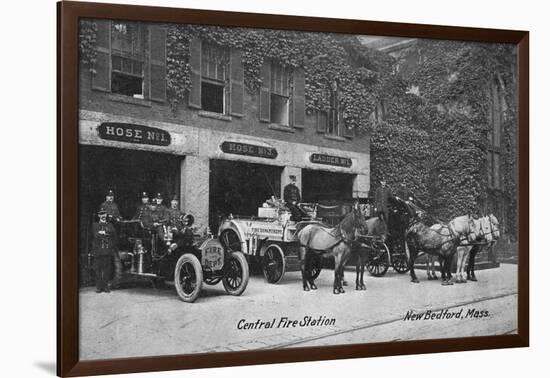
103	248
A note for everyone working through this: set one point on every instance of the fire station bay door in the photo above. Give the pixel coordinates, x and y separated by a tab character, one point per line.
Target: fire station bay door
324	187
128	173
239	188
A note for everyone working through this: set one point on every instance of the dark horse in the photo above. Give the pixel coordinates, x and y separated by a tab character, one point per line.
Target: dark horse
323	241
376	233
440	240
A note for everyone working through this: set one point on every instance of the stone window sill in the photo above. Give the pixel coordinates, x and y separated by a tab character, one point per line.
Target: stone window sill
218	116
275	126
129	100
336	138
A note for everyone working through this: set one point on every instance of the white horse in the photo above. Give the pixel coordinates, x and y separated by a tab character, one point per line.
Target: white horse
491	233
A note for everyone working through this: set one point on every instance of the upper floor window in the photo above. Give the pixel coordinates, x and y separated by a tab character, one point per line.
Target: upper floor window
214	88
282	95
330	121
127	59
217	78
124	65
495	118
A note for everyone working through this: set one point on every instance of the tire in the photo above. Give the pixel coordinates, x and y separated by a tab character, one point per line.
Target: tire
236	275
379	260
230	240
273	264
188	277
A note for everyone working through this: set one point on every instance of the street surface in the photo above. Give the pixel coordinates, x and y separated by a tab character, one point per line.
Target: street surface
143	321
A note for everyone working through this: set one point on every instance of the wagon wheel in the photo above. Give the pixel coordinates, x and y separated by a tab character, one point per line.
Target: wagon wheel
273	264
400	263
316	267
236	274
230	240
188	277
379	259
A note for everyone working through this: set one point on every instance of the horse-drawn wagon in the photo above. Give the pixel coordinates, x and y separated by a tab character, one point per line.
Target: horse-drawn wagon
269	239
184	259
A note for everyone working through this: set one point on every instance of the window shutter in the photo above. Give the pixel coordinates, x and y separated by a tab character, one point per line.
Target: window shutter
348	133
299	98
265	92
157	61
101	78
236	88
195	62
321	122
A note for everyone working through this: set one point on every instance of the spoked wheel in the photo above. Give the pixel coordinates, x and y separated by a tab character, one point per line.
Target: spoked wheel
236	274
379	260
188	277
400	263
273	264
316	267
230	240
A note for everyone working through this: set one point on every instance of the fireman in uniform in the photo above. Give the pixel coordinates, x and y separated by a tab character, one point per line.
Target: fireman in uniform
103	247
175	215
160	216
291	196
381	197
110	206
144	212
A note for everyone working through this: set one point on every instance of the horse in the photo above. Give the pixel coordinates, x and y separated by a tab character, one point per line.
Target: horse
491	233
464	249
439	240
324	241
377	230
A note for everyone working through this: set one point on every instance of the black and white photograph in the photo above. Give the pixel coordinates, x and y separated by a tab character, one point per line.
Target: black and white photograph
257	189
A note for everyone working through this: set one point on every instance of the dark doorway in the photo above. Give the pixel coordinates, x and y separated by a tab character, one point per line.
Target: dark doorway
320	186
240	188
128	173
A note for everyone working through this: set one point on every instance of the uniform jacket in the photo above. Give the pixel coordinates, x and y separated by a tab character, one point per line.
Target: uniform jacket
381	197
292	193
144	213
104	245
160	214
112	210
174	217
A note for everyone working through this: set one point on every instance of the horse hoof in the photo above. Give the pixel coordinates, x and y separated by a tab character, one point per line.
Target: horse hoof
357	287
335	291
473	279
344	283
306	288
313	286
415	280
342	291
450	283
364	287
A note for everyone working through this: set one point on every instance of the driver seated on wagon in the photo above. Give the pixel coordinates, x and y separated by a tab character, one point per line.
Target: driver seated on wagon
178	226
291	196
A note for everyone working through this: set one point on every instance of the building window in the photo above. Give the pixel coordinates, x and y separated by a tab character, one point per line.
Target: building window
380	111
214	63
495	113
334	124
280	94
127	59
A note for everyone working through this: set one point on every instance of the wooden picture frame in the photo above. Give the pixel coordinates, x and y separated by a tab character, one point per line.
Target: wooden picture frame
68	360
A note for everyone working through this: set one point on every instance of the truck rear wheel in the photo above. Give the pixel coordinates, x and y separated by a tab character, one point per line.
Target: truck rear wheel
236	275
273	264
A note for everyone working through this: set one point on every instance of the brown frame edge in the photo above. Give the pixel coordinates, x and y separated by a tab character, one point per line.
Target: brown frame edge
68	363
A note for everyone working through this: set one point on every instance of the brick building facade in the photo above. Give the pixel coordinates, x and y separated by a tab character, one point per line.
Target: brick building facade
223	151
